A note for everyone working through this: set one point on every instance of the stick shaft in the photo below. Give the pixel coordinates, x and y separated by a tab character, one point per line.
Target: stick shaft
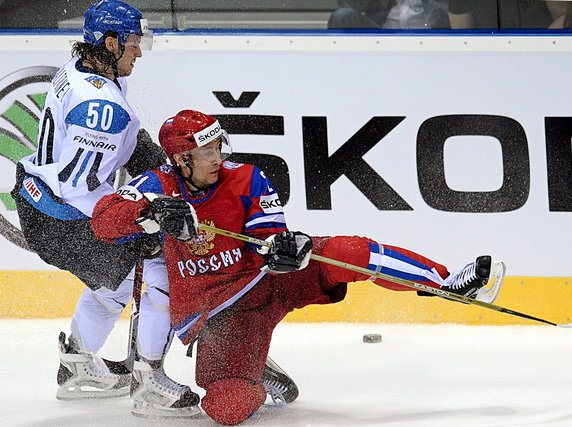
134	320
404	282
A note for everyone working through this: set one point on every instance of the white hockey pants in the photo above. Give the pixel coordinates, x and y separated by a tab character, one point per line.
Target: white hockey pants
97	311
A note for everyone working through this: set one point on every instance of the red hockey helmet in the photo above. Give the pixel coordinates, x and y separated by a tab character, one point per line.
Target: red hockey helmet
189	130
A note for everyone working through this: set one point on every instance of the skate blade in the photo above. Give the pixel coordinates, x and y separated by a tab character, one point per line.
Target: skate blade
85	393
490	291
146	410
273	372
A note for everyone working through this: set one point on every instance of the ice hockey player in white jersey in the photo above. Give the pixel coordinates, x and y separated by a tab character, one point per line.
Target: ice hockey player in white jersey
87	132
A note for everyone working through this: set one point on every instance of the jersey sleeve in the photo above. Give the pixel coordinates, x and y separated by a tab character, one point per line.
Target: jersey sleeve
264	212
114	215
100	137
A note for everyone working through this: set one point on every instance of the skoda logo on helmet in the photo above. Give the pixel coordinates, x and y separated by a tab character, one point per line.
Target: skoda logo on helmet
208	134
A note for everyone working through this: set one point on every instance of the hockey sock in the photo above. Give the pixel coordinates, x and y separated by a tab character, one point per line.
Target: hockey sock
390	260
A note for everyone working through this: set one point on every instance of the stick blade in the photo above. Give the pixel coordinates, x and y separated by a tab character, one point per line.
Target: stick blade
490	291
565	325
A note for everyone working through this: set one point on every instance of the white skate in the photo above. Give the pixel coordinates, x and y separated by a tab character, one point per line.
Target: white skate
154	394
86	376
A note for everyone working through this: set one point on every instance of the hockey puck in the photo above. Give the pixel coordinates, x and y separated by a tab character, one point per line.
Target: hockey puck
372	338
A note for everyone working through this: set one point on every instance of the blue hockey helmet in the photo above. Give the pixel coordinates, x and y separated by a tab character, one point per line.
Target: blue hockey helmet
115	15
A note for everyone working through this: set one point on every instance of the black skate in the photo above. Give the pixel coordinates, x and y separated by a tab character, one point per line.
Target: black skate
480	280
278	384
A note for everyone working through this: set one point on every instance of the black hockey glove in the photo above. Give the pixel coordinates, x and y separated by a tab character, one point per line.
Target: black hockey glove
290	251
172	216
146	156
150	246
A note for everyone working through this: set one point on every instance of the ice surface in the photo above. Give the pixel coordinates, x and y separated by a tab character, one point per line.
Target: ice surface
419	375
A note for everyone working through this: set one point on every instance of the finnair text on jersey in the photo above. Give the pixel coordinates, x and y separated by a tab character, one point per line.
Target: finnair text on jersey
95	144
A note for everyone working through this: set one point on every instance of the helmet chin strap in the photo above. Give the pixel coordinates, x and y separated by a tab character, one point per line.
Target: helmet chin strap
114	63
189	179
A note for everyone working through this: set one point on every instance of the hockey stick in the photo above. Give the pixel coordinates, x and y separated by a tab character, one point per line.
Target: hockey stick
408	283
134	321
13	234
126	366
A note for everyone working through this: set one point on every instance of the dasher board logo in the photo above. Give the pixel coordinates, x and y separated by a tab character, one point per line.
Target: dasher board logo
22	98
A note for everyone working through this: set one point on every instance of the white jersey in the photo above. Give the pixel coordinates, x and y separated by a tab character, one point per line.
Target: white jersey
87	132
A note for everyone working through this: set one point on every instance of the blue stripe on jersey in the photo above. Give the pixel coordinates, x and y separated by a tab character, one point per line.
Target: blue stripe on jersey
265	220
66	172
268	225
404	258
92	180
236	296
82	168
182	329
403	275
127	239
246	202
45	202
259	184
147	182
199	199
399	265
375	257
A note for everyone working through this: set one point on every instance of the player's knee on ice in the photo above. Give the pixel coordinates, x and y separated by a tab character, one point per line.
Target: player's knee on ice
232	400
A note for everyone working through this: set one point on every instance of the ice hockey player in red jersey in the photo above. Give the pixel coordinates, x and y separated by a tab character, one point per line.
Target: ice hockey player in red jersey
226	294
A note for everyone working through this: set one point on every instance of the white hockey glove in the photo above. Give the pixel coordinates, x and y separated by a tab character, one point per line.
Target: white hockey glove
290	251
169	215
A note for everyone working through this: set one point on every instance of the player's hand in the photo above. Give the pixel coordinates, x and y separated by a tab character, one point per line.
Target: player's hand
290	251
173	216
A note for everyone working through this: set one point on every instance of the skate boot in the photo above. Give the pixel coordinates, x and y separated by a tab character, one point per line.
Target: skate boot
278	384
480	280
154	394
86	376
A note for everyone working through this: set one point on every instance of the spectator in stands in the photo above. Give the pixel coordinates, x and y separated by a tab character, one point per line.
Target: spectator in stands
563	11
41	13
506	14
390	14
466	14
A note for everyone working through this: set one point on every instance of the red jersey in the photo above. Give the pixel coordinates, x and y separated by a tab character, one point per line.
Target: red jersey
210	272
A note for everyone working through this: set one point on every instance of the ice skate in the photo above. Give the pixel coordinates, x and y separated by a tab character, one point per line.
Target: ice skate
480	280
278	384
86	376
154	394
